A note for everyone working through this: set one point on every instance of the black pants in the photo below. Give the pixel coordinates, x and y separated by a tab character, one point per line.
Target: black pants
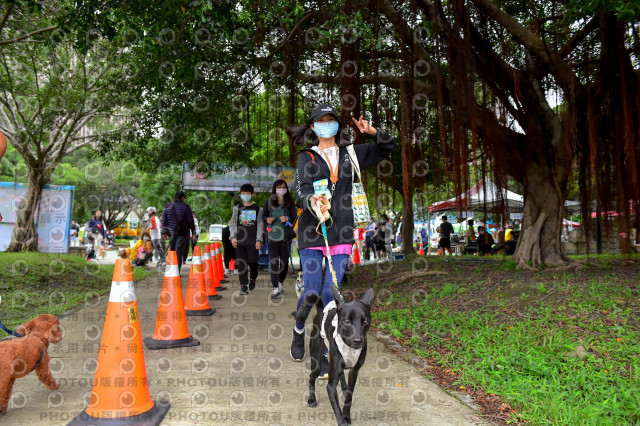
247	259
369	247
186	251
179	243
279	261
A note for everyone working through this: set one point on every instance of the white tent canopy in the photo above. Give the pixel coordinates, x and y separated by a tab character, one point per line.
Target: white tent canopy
483	196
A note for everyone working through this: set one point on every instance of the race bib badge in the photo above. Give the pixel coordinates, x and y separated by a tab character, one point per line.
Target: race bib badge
321	187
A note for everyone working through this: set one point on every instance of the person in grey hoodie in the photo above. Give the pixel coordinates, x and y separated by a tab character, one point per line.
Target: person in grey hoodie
246	231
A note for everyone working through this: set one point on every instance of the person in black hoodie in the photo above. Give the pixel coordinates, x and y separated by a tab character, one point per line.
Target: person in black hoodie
326	169
245	229
279	213
177	223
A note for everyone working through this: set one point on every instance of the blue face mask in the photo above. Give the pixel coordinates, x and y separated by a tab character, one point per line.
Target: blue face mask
326	129
245	197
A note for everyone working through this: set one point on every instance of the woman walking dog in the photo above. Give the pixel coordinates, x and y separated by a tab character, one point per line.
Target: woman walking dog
325	170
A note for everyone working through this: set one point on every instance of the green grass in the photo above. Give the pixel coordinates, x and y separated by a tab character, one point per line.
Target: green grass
523	360
39	283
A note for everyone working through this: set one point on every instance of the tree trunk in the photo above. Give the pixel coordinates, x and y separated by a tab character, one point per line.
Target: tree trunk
407	227
25	234
539	240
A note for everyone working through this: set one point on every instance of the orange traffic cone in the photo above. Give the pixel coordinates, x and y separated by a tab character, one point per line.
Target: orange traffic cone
232	265
356	256
120	394
220	263
215	267
196	302
209	279
421	251
171	323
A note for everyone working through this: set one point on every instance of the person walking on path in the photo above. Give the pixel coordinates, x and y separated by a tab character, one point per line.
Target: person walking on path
155	231
96	234
279	212
326	169
446	229
177	223
246	229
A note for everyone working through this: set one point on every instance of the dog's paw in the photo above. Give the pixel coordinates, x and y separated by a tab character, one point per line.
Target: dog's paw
312	402
347	420
53	386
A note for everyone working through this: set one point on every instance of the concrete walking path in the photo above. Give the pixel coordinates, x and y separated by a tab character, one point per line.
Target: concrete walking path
241	373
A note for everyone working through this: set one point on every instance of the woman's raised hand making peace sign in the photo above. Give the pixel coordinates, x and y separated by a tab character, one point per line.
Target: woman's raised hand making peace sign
364	126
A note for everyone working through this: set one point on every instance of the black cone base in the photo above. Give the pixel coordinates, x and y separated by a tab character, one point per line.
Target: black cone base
214	297
199	312
154	344
153	417
223	281
220	288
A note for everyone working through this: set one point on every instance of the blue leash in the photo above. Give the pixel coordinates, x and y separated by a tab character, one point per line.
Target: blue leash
13	333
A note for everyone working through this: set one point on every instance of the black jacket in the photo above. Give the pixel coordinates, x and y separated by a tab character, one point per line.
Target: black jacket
308	171
170	221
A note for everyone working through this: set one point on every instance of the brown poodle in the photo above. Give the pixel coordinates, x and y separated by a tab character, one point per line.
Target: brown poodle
19	357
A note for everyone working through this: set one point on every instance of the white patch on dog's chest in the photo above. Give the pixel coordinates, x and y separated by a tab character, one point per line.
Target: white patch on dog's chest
349	354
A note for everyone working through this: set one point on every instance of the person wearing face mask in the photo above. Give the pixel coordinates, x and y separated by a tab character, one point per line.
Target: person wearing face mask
142	251
326	169
385	228
245	231
485	241
279	213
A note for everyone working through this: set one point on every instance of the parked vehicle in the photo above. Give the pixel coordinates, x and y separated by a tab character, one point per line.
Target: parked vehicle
128	229
215	232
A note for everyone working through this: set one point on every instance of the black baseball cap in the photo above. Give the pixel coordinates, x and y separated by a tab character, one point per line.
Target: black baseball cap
179	194
322	110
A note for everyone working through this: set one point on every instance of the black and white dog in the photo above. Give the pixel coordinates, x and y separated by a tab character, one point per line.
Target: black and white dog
343	326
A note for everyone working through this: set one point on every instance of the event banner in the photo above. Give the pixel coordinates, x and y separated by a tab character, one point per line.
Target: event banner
231	178
52	218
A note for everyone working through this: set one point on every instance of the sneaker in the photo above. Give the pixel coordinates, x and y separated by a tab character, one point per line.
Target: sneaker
276	293
297	345
190	259
281	288
324	368
235	272
252	285
244	290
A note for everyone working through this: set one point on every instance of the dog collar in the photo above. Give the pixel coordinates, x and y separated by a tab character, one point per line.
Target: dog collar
349	354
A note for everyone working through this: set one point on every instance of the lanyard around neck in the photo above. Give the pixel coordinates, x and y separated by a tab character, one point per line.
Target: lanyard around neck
334	171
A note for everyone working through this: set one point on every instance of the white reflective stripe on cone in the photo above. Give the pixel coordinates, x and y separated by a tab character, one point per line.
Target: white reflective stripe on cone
197	260
171	271
206	256
122	291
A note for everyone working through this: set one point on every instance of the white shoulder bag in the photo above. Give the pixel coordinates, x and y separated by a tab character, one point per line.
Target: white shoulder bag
359	202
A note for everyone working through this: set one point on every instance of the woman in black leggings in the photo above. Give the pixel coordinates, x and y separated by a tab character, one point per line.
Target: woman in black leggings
279	212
